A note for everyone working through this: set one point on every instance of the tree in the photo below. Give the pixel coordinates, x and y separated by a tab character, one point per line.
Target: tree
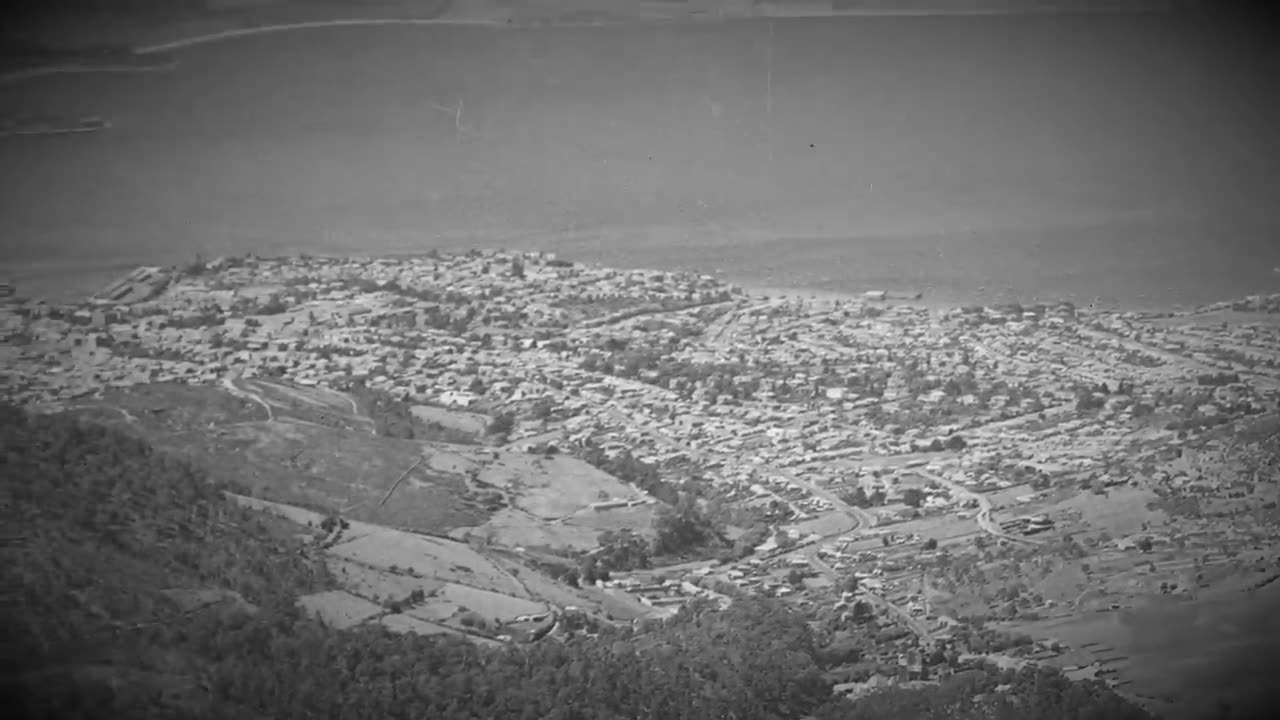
1144	544
912	497
273	306
956	443
851	583
856	497
784	540
931	544
862	611
681	527
587	569
501	425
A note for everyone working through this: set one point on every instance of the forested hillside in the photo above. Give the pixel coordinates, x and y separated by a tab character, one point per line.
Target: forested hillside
132	588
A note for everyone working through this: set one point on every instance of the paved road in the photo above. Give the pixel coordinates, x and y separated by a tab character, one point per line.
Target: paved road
917	626
984	507
864	519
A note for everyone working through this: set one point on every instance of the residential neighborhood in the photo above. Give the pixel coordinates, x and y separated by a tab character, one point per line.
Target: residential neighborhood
869	458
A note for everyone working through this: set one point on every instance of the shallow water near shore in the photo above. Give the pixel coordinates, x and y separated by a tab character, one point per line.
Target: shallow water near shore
1112	159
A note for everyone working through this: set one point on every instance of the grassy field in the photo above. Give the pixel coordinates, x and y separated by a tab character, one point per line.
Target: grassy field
513	528
175	407
340	608
373	582
638	518
449	561
317	458
467	422
488	604
316	405
315	453
337	470
943	528
553	487
1120	512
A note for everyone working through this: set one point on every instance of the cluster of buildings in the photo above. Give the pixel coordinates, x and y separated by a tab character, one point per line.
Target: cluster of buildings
787	406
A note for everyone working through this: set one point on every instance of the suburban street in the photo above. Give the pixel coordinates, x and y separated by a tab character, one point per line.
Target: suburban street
985	522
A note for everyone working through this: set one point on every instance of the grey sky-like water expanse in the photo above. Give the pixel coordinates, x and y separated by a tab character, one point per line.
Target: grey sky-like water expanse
1125	158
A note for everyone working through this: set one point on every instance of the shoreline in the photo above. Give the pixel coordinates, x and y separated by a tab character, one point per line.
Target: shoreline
68	283
503	17
818	295
506	21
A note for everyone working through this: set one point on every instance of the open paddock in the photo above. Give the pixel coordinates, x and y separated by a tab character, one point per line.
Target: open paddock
605	603
460	420
512	528
301	516
826	524
339	608
1064	583
312	404
342	470
401	623
317	397
446	560
490	605
370	583
638	518
554	487
178	407
1120	512
1005	500
946	529
444	460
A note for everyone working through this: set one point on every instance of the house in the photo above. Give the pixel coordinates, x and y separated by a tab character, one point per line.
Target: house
454	398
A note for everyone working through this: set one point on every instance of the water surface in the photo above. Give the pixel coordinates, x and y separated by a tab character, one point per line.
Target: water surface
1124	158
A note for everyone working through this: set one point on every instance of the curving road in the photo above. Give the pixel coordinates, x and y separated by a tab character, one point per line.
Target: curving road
917	626
985	522
230	385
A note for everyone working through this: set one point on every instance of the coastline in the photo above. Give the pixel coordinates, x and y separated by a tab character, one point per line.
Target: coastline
191	29
67	283
821	296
